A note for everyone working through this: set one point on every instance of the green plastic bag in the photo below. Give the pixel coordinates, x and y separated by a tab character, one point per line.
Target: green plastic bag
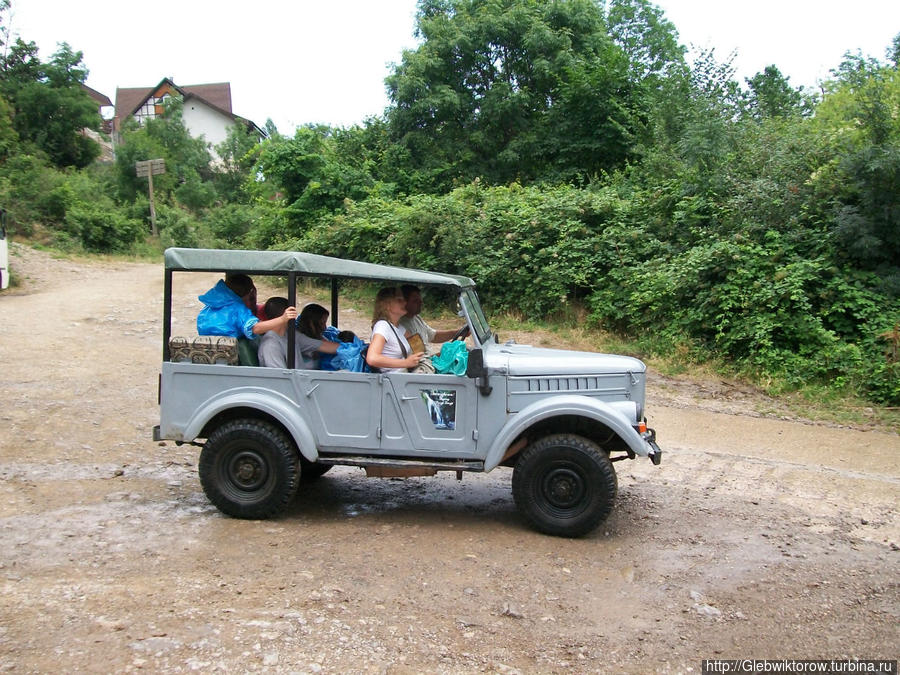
454	358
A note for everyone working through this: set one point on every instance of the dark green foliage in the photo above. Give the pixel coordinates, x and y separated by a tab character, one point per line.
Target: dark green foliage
187	159
230	224
237	154
516	90
649	40
50	108
310	176
770	95
100	227
9	139
27	191
868	224
531	249
195	193
179	228
867	204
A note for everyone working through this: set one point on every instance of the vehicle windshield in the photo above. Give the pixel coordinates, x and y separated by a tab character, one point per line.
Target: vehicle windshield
468	299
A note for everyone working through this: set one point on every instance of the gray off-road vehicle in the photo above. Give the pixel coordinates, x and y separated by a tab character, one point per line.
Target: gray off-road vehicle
558	418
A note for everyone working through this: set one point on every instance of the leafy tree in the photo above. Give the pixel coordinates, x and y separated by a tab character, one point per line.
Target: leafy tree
270	128
893	52
649	40
484	93
231	223
771	95
9	139
4	30
311	176
163	137
859	113
50	106
237	153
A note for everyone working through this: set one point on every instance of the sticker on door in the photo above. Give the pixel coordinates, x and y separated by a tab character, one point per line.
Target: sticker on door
441	406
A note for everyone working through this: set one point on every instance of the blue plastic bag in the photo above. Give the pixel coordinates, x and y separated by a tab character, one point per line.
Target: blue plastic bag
350	355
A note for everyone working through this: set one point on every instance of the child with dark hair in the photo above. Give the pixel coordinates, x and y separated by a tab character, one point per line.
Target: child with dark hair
311	325
308	343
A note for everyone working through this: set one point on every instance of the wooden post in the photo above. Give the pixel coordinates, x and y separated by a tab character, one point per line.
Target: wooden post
148	168
152	207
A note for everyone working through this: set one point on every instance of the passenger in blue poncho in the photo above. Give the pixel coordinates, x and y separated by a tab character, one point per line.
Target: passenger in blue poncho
229	310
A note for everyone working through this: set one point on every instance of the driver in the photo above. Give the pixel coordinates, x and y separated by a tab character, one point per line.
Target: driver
415	324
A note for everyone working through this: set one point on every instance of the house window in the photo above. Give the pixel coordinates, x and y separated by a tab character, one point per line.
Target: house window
153	107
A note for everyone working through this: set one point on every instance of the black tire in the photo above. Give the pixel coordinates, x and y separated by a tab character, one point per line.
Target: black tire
312	471
249	469
564	485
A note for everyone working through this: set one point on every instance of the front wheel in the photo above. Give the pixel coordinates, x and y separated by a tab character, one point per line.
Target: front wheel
564	485
249	469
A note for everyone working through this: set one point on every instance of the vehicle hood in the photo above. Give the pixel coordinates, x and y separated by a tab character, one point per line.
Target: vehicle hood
536	361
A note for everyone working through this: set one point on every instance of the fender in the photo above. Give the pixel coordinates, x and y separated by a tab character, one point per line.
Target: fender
265	400
612	415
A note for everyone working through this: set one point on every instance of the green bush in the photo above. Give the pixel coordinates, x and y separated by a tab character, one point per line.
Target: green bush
230	223
195	193
531	249
177	227
100	227
25	191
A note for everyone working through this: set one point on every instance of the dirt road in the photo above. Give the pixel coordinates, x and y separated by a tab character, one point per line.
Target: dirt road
756	537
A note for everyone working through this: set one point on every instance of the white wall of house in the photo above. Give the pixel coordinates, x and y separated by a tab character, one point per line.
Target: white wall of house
201	120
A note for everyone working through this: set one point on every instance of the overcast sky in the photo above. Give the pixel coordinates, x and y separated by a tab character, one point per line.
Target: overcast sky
300	61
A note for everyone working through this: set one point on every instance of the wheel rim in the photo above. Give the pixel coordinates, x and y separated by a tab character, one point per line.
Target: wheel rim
247	471
563	488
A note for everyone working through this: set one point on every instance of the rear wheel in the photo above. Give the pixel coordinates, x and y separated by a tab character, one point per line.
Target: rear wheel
249	469
564	485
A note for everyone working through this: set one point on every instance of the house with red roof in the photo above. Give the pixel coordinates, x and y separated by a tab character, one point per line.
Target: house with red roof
206	108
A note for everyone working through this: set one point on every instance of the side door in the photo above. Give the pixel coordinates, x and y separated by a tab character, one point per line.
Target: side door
344	408
428	413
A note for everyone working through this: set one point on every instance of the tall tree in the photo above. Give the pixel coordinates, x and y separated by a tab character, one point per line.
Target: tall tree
861	103
771	95
485	93
649	39
51	108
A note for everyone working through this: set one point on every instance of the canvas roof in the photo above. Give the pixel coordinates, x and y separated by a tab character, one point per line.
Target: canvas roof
307	264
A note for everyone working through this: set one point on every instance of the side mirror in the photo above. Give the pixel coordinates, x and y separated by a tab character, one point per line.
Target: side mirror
476	370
